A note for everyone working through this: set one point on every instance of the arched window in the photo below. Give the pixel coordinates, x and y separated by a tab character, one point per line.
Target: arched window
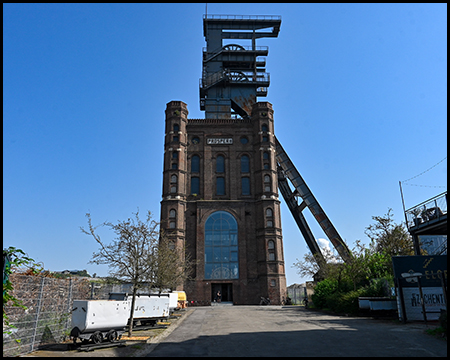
269	212
245	164
195	163
221	246
220	164
271	245
172	213
173	179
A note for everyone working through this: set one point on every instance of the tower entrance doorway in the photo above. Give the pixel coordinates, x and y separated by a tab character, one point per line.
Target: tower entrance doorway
226	290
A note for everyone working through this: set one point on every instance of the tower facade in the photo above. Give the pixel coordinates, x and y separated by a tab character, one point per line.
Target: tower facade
220	185
220	203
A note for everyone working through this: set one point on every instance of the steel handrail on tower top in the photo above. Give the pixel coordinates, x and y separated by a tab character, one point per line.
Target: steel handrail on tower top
241	17
289	170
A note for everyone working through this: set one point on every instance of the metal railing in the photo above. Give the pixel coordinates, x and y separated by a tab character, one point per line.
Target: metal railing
241	17
430	210
234	77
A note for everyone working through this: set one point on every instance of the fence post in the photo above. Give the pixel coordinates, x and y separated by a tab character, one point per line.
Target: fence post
37	313
69	310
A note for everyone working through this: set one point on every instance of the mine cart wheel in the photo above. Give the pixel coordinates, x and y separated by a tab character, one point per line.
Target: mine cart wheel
111	335
97	337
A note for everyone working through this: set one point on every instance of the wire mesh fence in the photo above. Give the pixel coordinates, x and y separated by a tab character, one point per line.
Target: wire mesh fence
47	317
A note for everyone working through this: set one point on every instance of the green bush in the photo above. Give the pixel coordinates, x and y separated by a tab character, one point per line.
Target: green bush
322	290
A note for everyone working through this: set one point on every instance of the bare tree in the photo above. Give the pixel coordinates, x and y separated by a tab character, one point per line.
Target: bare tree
174	265
132	256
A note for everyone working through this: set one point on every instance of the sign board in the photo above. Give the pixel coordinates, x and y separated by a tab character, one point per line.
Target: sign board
219	141
432	268
433	297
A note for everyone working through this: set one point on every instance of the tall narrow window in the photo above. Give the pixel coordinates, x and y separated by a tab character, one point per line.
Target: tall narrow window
245	186
172	218
269	217
195	185
245	164
195	163
221	246
176	127
220	164
220	186
264	128
267	185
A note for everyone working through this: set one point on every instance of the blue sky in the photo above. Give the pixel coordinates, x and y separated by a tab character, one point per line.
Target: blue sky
359	93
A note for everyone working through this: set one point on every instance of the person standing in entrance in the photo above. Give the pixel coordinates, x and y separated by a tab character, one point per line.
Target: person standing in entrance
219	296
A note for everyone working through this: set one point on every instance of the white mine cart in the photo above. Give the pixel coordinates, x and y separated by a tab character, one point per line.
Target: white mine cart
97	320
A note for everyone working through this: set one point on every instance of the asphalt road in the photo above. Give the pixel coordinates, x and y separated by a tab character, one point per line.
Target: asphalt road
293	331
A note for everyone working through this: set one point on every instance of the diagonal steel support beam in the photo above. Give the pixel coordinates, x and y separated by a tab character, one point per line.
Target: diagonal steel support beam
300	186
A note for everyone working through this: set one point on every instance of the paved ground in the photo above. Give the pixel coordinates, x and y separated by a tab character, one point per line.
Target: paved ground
293	331
287	331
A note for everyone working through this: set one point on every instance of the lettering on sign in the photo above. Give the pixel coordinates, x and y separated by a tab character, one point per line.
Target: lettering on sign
219	141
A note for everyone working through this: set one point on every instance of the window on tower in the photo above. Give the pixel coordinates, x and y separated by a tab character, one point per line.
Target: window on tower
245	186
195	185
220	164
220	186
195	164
245	164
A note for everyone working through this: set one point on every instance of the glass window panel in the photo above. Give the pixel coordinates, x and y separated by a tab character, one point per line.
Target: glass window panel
208	239
271	256
269	212
267	188
225	254
266	178
195	164
208	254
220	190
266	156
269	223
173	179
233	239
175	155
208	271
216	254
245	163
195	185
264	128
225	239
216	239
245	186
220	164
176	127
233	256
271	245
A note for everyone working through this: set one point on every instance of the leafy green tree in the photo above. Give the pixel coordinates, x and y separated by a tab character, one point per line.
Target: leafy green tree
13	260
390	238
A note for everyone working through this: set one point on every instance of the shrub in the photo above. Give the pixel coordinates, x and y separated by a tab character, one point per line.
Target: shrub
322	290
